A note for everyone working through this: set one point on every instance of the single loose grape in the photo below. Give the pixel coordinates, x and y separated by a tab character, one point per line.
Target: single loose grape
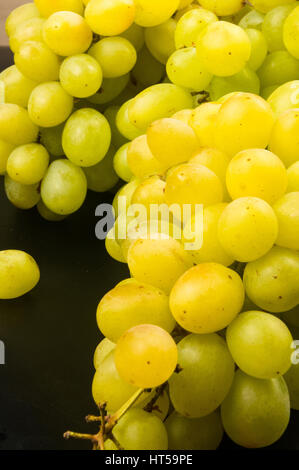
19	274
28	164
20	195
287	213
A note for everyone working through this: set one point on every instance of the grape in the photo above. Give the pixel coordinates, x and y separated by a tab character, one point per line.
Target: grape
104	348
37	62
293	177
278	68
147	71
185	115
182	11
141	161
135	35
116	56
160	40
272	281
19	274
145	255
67	33
110	445
203	122
49	105
246	81
287	212
19	15
15	125
124	123
150	191
81	75
117	138
120	164
29	30
272	27
290	32
193	184
267	92
244	121
206	376
220	8
156	102
259	48
86	137
183	4
146	356
154	12
253	19
190	25
194	434
110	89
47	214
125	192
256	412
48	7
20	195
207	298
285	97
139	430
161	406
51	138
110	17
113	248
247	228
5	150
17	87
253	335
133	304
171	141
64	187
185	69
102	177
108	387
284	141
266	5
292	381
223	48
258	173
28	164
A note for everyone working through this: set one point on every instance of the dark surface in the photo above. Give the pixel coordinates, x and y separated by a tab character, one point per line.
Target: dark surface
51	333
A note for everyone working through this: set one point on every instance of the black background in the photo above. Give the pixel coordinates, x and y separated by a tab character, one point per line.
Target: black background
50	334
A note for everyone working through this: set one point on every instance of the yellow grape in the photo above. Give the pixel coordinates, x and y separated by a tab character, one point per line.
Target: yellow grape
160	40
19	274
207	298
16	126
116	56
220	8
185	69
37	62
150	191
120	164
266	5
293	177
287	212
17	87
124	124
113	248
141	161
284	140
110	17
19	15
184	115
48	7
285	97
28	164
190	25
5	150
203	122
20	195
126	192
81	75
103	349
146	356
290	32
154	12
184	4
29	30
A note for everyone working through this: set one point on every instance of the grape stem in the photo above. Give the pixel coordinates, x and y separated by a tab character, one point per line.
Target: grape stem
151	404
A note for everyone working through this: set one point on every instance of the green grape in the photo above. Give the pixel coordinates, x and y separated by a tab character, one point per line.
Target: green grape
67	33
246	81
108	387
5	150
81	75
19	274
224	48
124	123
64	187
135	35
139	430
47	214
37	62
220	8
278	68
253	19
154	12
116	56
207	298
255	335
110	89
266	5
133	304
190	25
147	71
102	177
110	17
20	195
247	228
285	97
194	434
29	30
28	164
266	92
104	348
273	24
284	141
120	164
172	260
290	32
146	356
287	213
127	94
156	102
19	15
160	40
113	248
258	173
259	48
203	122
292	381
17	87
206	376
86	137
244	121
15	125
51	138
293	177
48	7
117	138
126	192
256	412
185	69
171	141
272	281
141	161
49	105
185	115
